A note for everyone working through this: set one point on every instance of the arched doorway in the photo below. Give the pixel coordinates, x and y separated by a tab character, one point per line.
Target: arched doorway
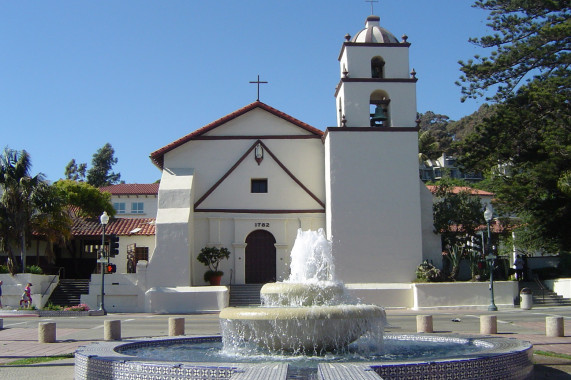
260	257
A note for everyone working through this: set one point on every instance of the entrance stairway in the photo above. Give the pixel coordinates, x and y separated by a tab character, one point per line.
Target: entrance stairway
69	291
245	295
542	296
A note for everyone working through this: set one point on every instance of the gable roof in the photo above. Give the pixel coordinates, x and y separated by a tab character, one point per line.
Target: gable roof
132	189
158	155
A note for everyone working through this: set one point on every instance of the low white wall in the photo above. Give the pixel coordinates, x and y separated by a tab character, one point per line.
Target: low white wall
186	299
13	287
125	293
561	286
398	295
463	294
122	293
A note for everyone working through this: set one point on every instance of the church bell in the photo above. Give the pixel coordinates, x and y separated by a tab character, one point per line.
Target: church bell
378	116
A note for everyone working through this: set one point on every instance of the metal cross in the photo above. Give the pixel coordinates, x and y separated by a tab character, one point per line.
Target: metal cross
258	82
372	1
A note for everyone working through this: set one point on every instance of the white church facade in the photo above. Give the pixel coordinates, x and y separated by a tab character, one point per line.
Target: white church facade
250	180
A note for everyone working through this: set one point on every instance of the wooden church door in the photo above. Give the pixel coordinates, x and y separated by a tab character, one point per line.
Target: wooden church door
260	257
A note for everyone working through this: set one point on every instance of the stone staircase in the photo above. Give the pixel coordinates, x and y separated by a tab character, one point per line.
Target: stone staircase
245	295
542	296
69	291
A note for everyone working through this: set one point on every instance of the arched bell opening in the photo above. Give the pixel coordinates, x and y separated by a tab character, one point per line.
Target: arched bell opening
379	109
377	67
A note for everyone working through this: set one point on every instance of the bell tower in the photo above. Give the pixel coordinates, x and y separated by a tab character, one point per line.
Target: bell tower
373	204
375	88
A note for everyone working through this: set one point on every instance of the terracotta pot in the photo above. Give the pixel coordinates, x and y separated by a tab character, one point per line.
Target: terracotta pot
215	279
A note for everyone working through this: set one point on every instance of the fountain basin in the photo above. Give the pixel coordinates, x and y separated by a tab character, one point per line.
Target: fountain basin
302	294
300	329
495	358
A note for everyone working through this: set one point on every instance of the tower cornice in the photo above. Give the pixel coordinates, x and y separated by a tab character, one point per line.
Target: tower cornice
373	80
371	44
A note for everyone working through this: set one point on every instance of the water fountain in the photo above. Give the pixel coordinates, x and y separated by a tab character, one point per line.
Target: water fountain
308	313
308	328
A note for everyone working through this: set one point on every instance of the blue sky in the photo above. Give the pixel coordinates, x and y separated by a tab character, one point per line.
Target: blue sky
139	74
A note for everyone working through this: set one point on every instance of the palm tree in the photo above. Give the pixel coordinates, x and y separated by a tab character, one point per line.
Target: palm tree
54	220
23	198
427	147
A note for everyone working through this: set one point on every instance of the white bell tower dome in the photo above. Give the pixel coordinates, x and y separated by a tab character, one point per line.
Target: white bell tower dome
376	88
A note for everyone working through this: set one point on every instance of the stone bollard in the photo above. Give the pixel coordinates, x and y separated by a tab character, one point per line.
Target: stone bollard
488	324
554	327
46	332
176	326
112	330
424	323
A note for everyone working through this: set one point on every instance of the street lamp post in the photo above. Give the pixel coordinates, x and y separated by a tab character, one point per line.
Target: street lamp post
491	258
104	219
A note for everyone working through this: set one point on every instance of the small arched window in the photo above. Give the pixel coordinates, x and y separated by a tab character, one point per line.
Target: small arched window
377	67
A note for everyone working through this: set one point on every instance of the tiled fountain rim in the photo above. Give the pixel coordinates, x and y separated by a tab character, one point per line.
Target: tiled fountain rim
103	360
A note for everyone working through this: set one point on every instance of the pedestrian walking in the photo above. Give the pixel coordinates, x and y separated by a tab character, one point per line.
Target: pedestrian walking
26	300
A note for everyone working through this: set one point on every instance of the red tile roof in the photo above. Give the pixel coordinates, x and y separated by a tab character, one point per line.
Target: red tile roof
158	156
132	189
458	189
117	226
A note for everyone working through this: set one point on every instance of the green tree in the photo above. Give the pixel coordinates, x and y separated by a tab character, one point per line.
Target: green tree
531	37
457	216
436	128
53	221
464	127
75	172
525	144
24	198
100	174
84	199
526	149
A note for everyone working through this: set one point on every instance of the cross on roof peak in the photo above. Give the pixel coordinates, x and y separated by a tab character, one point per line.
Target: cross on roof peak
258	82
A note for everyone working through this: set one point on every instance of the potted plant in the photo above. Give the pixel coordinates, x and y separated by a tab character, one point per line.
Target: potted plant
211	257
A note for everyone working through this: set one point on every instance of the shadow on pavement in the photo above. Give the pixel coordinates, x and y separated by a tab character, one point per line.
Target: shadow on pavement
546	367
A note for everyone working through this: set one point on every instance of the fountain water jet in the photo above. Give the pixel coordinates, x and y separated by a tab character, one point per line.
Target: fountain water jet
310	312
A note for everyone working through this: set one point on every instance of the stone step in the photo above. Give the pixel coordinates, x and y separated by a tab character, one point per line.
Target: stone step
69	291
245	295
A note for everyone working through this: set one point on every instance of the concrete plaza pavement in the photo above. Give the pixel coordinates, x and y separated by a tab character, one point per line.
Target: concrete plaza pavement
19	338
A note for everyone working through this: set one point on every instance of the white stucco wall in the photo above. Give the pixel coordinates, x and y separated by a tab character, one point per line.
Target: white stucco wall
227	213
561	286
169	264
125	240
149	207
231	230
373	205
13	287
357	60
212	159
464	294
356	97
